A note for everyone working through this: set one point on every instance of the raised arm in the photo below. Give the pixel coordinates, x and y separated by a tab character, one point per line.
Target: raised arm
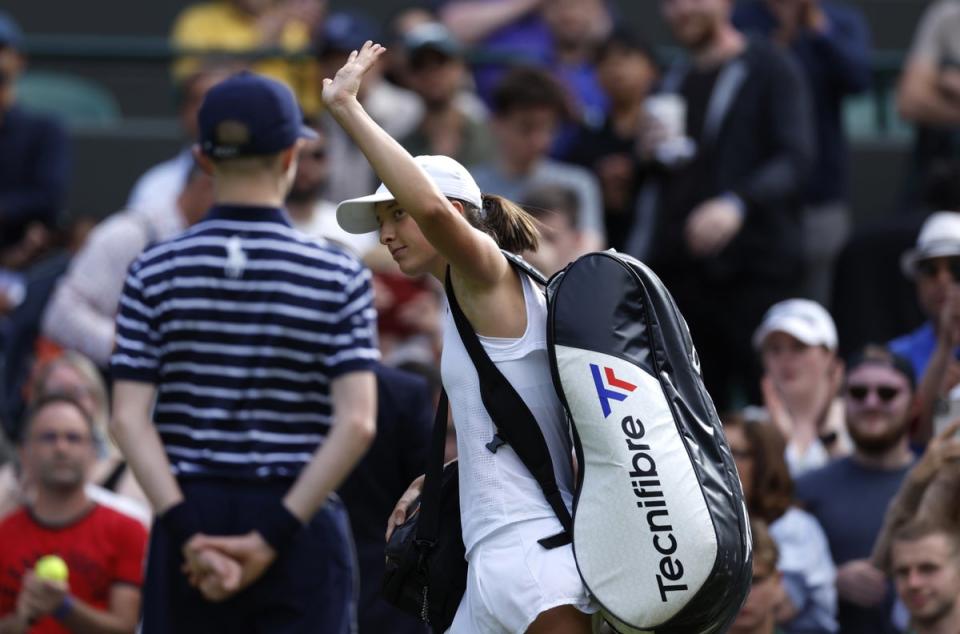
470	252
473	20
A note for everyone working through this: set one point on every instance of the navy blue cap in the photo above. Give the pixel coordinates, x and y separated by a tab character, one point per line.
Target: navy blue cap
10	33
432	36
344	31
249	115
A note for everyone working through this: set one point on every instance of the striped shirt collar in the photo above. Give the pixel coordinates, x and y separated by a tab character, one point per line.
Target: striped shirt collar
250	213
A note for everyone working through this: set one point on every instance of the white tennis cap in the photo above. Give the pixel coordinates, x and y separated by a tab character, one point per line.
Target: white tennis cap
939	237
451	178
804	319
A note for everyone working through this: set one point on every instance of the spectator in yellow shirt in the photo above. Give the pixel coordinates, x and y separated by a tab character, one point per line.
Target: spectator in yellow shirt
244	26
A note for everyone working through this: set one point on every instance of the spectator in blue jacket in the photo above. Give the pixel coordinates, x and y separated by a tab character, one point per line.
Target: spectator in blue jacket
831	43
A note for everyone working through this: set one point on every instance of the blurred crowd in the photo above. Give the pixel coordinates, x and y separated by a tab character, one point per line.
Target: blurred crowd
725	167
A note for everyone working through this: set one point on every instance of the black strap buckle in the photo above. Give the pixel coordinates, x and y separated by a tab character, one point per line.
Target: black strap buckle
496	443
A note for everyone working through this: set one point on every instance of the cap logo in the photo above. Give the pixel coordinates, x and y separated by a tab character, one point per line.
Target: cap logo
232	132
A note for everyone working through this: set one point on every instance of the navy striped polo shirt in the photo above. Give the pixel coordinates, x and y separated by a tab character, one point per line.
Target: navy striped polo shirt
241	323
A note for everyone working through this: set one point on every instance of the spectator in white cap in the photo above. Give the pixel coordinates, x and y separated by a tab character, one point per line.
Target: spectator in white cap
932	349
797	342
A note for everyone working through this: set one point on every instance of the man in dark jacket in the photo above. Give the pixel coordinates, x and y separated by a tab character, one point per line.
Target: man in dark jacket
830	41
720	222
405	407
33	161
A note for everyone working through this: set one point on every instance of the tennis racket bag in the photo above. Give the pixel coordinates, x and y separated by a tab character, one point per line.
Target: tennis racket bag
660	529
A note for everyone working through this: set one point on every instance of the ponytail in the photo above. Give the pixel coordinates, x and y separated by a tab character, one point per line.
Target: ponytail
507	223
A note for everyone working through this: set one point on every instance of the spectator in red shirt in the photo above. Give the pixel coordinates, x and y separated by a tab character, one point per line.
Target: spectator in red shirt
102	548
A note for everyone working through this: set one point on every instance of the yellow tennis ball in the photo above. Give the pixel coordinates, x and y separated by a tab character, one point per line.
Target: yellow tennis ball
52	568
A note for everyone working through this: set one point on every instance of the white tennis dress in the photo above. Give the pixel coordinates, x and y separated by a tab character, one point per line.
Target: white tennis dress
511	578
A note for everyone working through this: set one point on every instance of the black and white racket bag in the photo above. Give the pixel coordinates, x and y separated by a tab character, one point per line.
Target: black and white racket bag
660	529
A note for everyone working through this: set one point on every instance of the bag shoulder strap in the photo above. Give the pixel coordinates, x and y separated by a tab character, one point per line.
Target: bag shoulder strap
428	526
515	422
525	267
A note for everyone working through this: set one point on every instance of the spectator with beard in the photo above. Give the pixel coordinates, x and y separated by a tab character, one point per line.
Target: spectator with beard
926	571
103	549
850	496
111	484
309	211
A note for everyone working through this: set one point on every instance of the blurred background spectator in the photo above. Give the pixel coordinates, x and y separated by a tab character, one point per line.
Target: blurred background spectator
309	210
626	71
82	311
556	208
759	613
797	342
930	493
110	483
528	106
831	44
405	414
34	168
396	109
159	186
232	26
103	549
453	123
929	90
809	600
850	496
720	221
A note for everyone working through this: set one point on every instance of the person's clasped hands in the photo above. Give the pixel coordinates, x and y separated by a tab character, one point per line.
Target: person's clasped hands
221	566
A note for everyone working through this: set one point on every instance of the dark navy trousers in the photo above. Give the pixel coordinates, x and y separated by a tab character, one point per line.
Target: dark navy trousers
309	589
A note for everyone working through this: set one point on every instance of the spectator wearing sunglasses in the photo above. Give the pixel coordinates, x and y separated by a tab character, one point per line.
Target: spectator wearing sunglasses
309	209
934	266
850	496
